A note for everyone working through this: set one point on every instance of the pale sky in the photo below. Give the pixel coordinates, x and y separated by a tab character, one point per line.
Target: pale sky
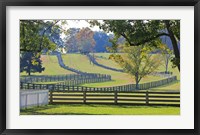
79	24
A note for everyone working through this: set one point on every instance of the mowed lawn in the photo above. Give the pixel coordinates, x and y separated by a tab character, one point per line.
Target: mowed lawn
175	86
82	63
90	109
50	62
103	59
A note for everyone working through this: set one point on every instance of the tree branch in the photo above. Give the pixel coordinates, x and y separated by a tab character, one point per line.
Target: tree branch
44	33
144	41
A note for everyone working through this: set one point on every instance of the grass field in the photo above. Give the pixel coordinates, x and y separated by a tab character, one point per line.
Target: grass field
82	63
175	86
80	109
103	58
51	66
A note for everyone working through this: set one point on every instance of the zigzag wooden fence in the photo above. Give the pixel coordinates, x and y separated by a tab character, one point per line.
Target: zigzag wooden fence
92	59
68	78
115	97
129	87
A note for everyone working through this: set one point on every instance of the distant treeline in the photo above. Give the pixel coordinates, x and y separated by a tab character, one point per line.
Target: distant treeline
101	41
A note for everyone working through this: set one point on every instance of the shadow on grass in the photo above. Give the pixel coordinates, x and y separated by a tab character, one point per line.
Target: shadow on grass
41	110
36	110
110	106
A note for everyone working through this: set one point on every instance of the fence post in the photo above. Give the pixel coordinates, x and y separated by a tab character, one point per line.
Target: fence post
115	97
84	96
51	97
38	100
147	98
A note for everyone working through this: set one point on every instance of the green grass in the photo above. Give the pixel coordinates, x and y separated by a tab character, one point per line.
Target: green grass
103	58
82	63
175	86
80	109
51	67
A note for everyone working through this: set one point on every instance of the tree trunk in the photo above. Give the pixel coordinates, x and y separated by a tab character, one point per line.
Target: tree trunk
29	68
174	42
137	81
166	66
137	86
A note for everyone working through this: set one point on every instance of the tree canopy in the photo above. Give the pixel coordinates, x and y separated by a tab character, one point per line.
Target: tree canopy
30	63
39	35
137	61
85	40
139	32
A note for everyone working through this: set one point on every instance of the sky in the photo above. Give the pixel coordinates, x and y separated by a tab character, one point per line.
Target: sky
80	24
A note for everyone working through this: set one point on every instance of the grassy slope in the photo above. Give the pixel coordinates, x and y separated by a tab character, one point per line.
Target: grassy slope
51	67
81	109
170	87
82	63
102	58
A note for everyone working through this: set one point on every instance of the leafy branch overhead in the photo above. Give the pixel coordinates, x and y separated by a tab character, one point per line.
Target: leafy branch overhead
139	32
35	34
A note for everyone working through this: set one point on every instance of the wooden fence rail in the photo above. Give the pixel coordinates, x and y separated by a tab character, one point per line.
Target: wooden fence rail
66	86
115	97
52	78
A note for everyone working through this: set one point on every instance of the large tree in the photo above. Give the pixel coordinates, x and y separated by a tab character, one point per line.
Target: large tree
85	40
139	32
137	61
70	41
166	54
36	35
30	63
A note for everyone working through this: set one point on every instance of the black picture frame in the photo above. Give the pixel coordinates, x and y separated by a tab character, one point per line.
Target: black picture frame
5	3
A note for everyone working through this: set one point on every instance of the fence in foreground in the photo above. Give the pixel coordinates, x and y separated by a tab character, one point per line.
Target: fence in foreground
30	98
115	97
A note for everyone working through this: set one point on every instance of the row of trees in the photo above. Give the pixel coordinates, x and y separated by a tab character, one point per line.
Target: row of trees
85	40
37	36
80	40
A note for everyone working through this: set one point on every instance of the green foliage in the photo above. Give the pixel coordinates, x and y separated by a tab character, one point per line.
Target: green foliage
85	40
31	63
175	62
139	32
137	61
32	35
167	55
